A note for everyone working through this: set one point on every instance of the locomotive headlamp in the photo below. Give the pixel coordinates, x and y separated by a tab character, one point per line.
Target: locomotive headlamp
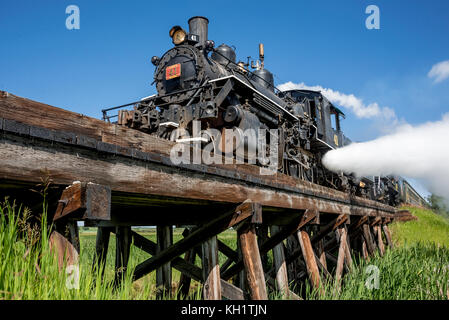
155	60
178	35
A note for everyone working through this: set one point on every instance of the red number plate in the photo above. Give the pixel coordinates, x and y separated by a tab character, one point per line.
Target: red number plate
173	71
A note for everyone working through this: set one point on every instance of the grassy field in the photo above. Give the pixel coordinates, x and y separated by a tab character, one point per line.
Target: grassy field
417	269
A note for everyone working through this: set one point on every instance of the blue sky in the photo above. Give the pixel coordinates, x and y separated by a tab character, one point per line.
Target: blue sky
107	61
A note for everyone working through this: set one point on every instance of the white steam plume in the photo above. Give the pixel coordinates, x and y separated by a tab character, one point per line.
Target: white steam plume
420	152
349	101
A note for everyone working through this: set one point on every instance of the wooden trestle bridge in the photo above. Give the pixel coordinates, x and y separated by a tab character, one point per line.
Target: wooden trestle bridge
114	177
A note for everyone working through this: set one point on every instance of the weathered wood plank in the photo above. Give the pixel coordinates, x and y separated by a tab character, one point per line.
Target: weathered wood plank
231	292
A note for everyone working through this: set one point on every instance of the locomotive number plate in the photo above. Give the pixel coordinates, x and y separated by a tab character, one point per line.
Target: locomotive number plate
173	71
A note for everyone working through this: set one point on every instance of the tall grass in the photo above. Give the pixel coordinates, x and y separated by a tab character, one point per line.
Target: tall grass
417	269
29	269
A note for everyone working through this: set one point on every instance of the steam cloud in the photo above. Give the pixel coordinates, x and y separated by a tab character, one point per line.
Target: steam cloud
420	152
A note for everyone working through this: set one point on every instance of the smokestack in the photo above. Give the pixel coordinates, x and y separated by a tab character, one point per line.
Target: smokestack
198	26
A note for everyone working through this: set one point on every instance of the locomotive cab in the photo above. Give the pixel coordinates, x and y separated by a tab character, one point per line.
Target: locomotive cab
326	118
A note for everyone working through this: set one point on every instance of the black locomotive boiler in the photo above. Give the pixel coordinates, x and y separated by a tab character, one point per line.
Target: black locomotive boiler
198	82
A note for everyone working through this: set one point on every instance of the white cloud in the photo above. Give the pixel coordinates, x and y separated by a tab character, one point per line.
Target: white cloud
349	101
439	71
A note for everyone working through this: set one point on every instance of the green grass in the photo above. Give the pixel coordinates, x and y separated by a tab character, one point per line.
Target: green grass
418	272
429	228
418	268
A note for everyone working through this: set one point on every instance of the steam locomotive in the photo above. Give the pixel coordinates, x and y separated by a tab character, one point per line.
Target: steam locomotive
199	83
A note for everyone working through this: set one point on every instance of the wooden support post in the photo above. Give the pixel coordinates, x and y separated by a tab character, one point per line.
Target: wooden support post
240	279
341	255
184	280
163	273
253	265
101	249
348	257
211	270
380	242
295	265
74	234
368	239
280	266
122	248
387	236
309	257
364	249
321	253
262	236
